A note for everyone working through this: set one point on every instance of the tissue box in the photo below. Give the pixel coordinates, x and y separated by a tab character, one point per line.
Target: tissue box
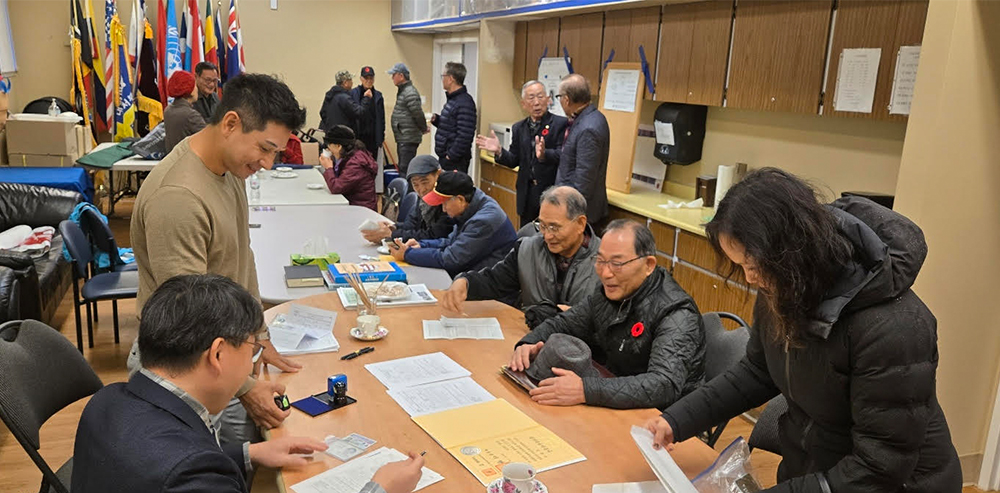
323	261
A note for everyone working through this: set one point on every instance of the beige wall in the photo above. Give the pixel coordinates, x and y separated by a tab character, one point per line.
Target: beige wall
305	42
948	185
498	101
837	154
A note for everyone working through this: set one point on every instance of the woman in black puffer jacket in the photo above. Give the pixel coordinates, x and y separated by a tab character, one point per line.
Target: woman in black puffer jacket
839	333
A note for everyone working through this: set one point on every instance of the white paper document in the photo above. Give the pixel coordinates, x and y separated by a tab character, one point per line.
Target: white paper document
551	71
463	328
352	476
416	370
440	396
856	77
622	90
671	477
904	80
643	487
664	133
303	330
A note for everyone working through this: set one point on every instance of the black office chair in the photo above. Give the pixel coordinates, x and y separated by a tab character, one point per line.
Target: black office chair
765	433
103	240
112	286
723	349
407	205
40	374
392	198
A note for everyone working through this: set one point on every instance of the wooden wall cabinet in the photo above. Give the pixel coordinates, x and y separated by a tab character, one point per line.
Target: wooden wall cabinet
778	55
885	24
500	182
694	52
624	32
520	50
581	35
713	294
542	36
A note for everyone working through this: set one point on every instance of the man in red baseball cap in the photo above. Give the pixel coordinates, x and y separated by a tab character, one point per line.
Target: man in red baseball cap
371	124
180	119
482	235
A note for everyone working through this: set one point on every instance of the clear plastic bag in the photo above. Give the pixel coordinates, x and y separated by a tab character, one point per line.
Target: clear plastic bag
730	473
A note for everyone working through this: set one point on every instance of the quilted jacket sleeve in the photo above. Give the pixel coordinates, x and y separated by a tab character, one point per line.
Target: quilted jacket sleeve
465	129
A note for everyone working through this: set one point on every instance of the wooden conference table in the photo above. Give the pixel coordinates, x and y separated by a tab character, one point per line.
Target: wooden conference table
600	434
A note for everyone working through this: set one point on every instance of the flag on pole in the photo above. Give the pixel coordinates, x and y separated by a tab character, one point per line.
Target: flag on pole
110	12
221	33
97	74
124	102
185	61
211	41
195	40
135	31
173	55
78	95
161	48
239	38
233	65
148	102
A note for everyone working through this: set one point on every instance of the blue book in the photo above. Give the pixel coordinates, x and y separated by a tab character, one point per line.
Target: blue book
368	271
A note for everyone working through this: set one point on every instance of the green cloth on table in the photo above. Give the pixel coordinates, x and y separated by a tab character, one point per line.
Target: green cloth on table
104	158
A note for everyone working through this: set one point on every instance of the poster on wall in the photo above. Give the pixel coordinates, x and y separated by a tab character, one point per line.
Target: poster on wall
551	70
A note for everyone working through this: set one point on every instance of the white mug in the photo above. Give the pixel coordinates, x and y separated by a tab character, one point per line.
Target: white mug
521	475
368	324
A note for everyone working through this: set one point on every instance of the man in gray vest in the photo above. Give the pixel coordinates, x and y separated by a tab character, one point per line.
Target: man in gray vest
548	272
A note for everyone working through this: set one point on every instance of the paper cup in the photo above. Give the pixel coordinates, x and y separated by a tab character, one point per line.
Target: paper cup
368	324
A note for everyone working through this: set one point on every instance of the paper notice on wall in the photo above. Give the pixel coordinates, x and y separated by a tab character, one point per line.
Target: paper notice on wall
904	80
550	72
856	78
664	133
622	90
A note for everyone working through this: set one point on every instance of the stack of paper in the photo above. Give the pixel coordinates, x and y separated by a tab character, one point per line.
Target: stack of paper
303	330
416	370
352	476
672	478
440	396
484	437
419	295
463	328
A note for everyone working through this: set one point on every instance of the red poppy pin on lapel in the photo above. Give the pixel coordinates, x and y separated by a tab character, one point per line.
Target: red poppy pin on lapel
638	329
545	131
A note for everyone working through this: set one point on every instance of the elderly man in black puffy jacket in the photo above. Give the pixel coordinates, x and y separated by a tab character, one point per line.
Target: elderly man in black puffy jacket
639	324
456	125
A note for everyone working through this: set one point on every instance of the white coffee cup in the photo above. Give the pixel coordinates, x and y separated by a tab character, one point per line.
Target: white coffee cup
368	324
521	475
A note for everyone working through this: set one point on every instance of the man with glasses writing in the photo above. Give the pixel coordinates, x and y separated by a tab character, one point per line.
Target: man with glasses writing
639	324
537	171
546	273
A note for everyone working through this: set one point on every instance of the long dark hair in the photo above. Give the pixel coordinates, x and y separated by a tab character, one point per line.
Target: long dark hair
790	236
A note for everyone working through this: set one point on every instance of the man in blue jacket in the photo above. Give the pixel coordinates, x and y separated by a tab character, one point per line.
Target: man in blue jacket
371	124
482	235
583	164
456	125
198	342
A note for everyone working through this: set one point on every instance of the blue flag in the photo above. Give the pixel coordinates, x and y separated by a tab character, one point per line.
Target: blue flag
173	56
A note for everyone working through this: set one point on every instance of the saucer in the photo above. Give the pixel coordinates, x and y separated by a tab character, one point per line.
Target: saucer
382	332
283	168
315	186
497	487
384	250
285	174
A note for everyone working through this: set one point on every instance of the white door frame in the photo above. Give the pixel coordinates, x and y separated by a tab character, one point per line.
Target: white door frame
437	90
989	472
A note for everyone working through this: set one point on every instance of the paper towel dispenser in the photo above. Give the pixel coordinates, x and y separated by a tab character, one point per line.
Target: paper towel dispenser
680	132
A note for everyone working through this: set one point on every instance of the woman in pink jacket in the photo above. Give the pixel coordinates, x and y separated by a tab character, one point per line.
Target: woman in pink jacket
351	170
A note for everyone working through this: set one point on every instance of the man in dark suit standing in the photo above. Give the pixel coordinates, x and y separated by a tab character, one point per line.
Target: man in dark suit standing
198	342
537	172
583	164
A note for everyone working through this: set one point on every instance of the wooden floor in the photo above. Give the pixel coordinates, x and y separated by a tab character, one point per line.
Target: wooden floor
19	474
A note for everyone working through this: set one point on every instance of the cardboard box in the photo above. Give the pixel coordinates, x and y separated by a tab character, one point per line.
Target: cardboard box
41	160
33	135
310	153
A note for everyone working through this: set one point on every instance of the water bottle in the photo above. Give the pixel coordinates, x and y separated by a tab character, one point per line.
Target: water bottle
254	189
54	108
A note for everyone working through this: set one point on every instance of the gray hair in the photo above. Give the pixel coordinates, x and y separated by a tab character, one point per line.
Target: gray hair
456	71
644	243
529	84
575	88
576	205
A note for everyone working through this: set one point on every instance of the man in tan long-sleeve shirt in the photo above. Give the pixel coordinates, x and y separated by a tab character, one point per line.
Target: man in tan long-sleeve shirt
191	217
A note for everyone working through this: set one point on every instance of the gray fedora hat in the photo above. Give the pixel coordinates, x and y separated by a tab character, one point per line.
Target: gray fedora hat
562	351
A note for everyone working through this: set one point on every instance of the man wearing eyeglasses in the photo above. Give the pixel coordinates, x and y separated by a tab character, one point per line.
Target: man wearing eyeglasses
639	324
456	125
536	171
207	77
546	273
198	337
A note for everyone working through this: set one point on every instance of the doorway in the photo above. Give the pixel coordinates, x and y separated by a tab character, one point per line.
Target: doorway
465	51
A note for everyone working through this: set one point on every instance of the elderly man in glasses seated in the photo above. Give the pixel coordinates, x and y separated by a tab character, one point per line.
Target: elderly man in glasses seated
639	324
548	272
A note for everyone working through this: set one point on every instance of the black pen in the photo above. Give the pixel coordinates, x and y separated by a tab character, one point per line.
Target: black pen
422	453
357	353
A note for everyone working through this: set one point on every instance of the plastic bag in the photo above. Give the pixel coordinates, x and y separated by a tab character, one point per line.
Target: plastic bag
153	145
730	473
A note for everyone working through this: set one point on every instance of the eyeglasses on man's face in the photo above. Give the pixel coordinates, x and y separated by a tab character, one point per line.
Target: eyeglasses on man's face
549	228
614	266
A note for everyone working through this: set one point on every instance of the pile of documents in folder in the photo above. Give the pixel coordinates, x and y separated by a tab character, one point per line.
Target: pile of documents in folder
482	432
303	330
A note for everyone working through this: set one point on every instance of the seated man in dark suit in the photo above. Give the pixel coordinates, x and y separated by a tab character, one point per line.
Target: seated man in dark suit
198	342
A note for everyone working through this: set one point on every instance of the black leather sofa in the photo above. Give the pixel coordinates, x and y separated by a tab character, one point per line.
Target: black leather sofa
40	283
